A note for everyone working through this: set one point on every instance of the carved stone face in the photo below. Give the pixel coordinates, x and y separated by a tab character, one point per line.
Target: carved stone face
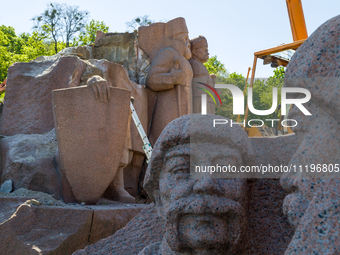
201	54
182	43
320	141
206	213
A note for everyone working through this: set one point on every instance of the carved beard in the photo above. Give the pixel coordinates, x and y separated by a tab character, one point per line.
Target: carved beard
202	60
193	205
181	47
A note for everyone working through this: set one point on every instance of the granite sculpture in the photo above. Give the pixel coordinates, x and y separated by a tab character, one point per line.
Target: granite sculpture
89	165
170	75
200	55
312	206
201	215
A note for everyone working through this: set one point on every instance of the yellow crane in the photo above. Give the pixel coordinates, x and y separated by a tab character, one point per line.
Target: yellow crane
270	56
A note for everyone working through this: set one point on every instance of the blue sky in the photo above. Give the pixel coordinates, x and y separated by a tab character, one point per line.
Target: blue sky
234	29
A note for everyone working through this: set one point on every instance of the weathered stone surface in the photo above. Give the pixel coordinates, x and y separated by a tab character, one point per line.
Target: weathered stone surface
8	206
312	207
144	230
123	49
269	230
132	173
107	219
40	230
55	227
27	108
89	164
7	186
29	161
83	52
170	74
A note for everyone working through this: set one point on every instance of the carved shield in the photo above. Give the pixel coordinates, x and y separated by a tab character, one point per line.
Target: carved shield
90	138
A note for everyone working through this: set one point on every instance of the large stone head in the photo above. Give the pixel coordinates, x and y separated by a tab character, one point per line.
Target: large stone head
199	49
315	67
201	213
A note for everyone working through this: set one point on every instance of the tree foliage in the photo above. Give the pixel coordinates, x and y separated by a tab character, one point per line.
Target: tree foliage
22	48
89	35
49	22
216	67
74	21
60	22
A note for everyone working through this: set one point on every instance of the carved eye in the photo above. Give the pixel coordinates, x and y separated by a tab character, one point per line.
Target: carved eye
181	172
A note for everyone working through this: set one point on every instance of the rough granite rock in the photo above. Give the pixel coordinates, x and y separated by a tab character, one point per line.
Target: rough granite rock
141	231
29	161
27	108
123	49
54	227
7	186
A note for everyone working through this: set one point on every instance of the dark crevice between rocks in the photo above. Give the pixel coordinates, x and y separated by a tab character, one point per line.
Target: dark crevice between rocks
55	164
88	240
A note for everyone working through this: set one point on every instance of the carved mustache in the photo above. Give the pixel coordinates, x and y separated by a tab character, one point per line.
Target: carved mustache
199	205
203	205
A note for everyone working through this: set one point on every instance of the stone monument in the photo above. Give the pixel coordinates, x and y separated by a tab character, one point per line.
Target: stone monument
312	206
167	45
200	55
204	215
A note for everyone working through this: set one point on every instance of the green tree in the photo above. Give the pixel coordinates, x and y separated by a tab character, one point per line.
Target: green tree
49	22
89	35
216	67
60	22
5	56
263	94
226	110
74	21
22	48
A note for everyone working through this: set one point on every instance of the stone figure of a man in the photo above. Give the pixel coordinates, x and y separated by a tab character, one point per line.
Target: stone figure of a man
201	215
200	55
170	73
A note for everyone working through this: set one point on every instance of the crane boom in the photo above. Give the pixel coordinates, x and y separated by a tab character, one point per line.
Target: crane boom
297	20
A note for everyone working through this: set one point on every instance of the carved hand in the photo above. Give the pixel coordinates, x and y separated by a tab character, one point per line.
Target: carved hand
100	88
178	77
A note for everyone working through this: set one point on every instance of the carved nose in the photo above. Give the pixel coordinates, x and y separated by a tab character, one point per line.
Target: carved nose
207	186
